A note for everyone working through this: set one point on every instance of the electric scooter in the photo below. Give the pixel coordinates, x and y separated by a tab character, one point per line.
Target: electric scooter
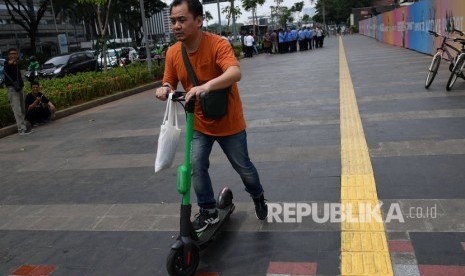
184	257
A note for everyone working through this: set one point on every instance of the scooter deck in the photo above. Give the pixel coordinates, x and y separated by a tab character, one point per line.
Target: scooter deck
211	231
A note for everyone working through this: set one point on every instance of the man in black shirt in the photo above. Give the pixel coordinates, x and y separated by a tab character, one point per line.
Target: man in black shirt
38	108
14	85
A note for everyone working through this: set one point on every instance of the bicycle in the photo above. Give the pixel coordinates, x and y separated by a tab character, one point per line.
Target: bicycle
433	68
458	67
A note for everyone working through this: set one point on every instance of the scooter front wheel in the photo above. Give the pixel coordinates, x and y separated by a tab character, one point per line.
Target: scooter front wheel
175	264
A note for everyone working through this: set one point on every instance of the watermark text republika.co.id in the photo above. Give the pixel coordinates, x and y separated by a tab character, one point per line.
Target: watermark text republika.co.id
364	212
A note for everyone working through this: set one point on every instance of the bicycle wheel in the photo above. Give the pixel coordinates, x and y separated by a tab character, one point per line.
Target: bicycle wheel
433	70
456	72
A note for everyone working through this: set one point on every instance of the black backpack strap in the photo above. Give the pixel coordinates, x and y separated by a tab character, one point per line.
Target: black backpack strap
188	66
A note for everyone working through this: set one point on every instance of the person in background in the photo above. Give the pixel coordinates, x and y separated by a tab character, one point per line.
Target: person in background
287	40
248	43
319	34
293	40
309	38
14	84
255	44
302	40
274	41
281	41
33	68
39	109
267	43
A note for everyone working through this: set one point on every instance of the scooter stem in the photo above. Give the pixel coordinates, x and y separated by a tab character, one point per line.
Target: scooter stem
183	181
187	157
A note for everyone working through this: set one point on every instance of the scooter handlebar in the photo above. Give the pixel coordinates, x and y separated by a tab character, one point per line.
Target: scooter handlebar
178	96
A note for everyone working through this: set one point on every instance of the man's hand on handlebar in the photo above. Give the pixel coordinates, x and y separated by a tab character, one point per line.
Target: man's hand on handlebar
196	91
162	92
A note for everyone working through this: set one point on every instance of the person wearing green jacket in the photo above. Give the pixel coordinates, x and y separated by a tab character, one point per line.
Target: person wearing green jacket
33	68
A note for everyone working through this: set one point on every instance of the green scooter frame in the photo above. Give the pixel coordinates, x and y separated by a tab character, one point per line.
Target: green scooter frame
184	256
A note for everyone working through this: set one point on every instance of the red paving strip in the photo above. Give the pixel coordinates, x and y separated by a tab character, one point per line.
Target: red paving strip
441	270
400	246
23	270
34	270
287	268
207	274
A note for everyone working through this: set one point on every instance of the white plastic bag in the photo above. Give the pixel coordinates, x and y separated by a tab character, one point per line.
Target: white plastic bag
168	138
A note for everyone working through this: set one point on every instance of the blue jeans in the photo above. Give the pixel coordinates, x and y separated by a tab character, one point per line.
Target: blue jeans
235	148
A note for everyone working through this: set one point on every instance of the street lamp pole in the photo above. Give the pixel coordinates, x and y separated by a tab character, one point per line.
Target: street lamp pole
146	35
219	17
233	14
324	12
54	17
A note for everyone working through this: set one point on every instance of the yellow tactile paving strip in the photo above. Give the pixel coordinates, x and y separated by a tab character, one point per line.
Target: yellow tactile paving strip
364	247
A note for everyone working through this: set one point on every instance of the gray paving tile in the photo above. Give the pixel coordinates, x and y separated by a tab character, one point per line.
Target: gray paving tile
407	270
399	258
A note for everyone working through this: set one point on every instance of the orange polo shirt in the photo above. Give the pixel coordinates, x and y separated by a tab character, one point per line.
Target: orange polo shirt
211	59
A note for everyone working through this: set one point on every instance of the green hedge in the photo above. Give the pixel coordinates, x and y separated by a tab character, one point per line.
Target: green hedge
237	51
83	87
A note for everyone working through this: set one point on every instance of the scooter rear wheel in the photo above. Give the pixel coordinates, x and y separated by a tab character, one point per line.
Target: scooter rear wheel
175	262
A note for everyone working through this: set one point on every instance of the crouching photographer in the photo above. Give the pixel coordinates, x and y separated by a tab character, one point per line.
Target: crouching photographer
39	109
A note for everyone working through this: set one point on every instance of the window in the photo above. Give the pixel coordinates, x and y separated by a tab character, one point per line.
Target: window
73	59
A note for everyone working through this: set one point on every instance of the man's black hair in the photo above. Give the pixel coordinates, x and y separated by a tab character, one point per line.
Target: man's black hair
194	6
35	83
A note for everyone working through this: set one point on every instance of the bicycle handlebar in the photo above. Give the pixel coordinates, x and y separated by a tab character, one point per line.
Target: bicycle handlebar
453	31
461	40
433	33
459	32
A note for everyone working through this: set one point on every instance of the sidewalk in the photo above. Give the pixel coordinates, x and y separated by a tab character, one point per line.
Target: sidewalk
79	195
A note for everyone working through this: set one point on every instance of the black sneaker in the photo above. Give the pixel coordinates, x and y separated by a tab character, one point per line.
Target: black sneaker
261	209
203	219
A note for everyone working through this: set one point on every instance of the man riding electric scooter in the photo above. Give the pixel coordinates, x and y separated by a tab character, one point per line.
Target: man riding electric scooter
218	114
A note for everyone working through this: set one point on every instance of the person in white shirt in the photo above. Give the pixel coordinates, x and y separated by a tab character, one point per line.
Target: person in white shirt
319	37
248	42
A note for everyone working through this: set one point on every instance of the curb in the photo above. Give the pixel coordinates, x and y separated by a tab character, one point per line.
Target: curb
12	129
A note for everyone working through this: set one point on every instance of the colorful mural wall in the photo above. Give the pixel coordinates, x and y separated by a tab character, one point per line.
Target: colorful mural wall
408	26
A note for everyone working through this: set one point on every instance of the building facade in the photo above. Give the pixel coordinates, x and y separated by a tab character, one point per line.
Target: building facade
13	35
81	35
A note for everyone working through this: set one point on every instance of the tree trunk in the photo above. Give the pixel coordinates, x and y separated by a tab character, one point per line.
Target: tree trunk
32	35
253	21
103	42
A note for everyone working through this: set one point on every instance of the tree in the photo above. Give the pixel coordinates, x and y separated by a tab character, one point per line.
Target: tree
208	17
284	15
78	13
337	11
129	13
252	5
275	12
102	10
25	16
306	18
229	12
297	7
